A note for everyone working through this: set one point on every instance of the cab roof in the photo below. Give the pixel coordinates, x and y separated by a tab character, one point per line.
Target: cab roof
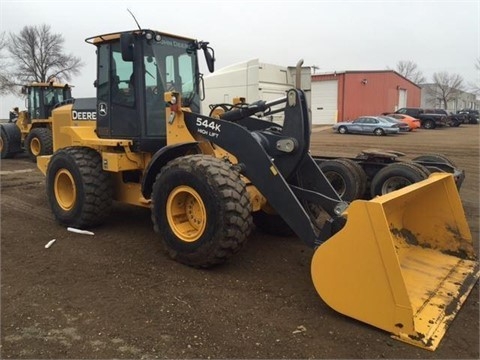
98	39
47	84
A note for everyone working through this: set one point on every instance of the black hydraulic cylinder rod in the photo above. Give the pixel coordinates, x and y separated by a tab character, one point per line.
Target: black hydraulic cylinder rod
253	108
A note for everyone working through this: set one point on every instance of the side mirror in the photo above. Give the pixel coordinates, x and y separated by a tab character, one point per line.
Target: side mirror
209	56
126	43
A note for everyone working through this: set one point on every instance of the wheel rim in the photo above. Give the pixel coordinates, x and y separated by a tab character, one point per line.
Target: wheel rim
394	183
337	182
1	143
65	190
342	130
35	146
186	214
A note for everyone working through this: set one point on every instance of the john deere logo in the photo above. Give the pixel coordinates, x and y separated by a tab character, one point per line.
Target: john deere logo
102	109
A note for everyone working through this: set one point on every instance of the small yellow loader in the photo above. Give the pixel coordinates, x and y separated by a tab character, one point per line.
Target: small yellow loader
403	261
32	129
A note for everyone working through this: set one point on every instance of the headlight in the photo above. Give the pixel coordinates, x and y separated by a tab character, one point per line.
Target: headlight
149	36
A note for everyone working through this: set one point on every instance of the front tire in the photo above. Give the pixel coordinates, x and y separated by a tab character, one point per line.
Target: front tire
343	130
79	191
202	210
39	142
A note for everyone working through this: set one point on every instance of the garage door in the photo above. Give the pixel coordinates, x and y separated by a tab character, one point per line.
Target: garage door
402	98
324	102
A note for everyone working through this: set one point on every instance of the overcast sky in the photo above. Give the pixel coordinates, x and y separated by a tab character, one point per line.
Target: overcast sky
333	35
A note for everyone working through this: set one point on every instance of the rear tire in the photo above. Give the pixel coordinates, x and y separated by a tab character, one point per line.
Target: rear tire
344	178
39	142
5	146
79	191
379	132
202	210
396	176
10	140
362	179
429	124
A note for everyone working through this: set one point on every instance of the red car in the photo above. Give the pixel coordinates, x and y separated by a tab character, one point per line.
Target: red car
411	121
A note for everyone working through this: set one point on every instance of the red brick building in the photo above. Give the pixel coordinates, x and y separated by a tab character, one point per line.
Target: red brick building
342	96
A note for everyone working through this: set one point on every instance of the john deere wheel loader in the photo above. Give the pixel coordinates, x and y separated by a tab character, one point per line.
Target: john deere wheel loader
381	261
32	129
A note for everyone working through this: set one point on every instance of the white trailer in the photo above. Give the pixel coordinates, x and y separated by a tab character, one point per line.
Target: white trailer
253	81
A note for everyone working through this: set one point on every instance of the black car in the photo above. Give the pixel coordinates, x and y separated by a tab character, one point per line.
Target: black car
452	119
471	115
427	120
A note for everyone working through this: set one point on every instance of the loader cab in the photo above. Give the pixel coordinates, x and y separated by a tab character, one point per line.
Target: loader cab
134	71
43	97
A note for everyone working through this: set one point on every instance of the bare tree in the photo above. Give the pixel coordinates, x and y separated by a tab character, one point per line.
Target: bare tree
475	86
446	87
38	55
410	70
5	78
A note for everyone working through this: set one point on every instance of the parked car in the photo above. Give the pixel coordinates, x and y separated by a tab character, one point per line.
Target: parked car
453	120
401	125
367	125
410	120
472	116
427	120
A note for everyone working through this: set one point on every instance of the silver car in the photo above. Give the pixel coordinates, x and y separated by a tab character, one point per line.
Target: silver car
367	125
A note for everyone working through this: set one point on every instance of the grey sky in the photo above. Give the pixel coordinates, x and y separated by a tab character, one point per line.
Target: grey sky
333	35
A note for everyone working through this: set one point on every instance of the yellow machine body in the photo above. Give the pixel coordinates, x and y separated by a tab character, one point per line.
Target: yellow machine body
404	262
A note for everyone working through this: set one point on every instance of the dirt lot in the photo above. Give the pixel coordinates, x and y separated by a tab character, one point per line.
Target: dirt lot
117	295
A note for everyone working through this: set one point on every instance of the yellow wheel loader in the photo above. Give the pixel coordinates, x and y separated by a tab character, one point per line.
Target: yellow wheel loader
403	261
32	129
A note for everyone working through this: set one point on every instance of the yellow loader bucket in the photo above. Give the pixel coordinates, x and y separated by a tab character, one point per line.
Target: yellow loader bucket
404	262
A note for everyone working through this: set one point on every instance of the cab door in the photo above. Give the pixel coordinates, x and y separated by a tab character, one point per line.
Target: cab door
117	109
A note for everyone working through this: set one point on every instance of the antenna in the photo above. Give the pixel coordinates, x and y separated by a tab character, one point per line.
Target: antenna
139	27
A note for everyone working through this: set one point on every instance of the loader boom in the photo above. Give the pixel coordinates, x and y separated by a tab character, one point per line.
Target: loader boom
276	160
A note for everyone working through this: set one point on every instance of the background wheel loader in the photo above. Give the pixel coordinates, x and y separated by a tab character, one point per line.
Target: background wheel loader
385	261
32	129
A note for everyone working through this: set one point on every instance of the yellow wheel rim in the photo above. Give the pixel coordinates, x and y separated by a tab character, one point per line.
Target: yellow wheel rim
35	146
65	190
186	213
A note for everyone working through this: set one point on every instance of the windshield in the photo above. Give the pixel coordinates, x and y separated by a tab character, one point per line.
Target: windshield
175	60
42	99
56	95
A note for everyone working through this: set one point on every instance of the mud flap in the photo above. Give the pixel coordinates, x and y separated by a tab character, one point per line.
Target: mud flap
404	262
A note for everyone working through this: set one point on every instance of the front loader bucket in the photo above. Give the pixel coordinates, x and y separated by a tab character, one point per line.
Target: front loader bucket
404	262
